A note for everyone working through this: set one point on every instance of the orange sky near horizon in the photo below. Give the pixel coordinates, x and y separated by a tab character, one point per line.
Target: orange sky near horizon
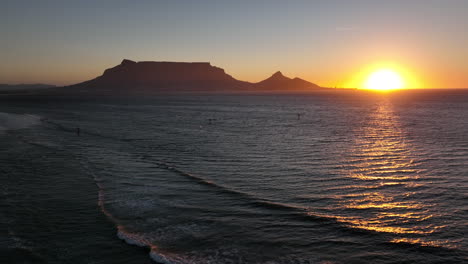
332	43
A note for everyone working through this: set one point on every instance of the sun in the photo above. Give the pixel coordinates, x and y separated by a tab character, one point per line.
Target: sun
384	80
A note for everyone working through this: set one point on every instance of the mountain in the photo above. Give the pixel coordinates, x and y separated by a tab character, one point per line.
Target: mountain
18	87
174	77
149	76
279	82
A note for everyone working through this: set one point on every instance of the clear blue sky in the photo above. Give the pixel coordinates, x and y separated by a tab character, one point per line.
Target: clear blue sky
64	42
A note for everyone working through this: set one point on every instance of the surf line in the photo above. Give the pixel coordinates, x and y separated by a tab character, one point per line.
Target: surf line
127	236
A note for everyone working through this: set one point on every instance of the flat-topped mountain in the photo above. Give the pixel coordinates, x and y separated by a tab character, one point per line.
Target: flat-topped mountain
149	76
161	76
148	72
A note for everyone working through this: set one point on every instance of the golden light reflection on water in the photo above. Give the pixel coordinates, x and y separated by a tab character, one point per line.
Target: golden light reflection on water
382	159
419	241
363	177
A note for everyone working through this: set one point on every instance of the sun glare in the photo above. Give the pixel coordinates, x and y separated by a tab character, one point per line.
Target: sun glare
384	80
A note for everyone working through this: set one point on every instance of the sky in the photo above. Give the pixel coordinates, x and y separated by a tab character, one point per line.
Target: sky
330	42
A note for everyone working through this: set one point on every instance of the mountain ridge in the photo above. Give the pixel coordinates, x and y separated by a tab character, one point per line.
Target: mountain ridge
172	77
278	82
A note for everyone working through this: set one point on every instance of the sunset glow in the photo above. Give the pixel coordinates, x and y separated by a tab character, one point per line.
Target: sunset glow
328	43
235	132
384	80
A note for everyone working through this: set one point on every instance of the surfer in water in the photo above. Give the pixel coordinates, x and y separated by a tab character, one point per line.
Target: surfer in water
78	131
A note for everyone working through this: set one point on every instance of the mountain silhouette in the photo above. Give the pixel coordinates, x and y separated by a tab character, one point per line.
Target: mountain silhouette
279	82
162	76
174	77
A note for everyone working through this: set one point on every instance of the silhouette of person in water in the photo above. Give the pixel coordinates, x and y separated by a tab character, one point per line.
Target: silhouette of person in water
77	131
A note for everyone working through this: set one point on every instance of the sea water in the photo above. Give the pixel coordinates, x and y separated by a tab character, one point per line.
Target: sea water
334	177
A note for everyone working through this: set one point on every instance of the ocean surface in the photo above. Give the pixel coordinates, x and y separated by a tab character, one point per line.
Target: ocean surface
332	177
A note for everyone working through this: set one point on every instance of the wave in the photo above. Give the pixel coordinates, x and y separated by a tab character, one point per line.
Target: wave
139	240
10	121
128	237
295	212
20	249
154	253
302	213
89	132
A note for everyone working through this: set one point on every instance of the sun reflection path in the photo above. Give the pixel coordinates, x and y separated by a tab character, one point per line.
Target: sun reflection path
384	179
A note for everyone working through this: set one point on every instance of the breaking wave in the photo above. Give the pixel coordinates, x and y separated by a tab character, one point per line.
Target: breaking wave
10	121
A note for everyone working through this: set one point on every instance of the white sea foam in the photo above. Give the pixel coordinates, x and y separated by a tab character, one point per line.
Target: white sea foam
129	237
159	258
132	239
17	121
138	240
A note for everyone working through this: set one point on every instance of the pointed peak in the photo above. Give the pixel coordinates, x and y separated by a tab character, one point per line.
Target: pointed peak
278	74
127	62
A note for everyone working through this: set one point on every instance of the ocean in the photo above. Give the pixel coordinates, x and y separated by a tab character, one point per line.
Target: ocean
330	177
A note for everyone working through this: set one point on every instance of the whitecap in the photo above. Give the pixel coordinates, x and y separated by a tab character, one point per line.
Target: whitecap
10	121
